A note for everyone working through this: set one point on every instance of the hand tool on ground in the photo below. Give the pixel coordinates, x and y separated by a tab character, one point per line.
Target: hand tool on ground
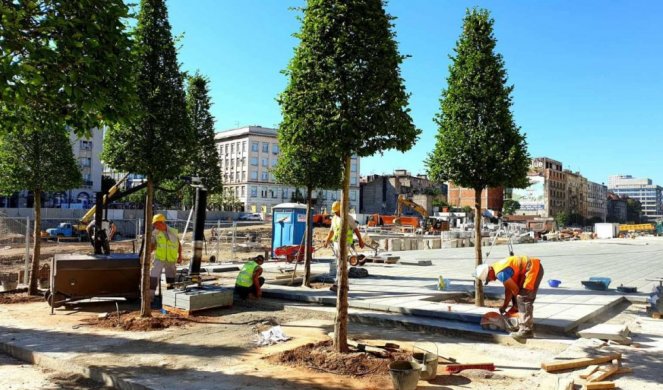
497	321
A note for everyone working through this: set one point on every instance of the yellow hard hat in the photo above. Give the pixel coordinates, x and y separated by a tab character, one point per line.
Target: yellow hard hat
158	218
336	206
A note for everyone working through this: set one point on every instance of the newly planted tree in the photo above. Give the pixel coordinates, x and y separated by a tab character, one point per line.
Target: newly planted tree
61	71
305	164
478	144
158	141
345	88
38	160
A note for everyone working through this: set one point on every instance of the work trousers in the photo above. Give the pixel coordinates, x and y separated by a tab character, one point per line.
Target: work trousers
155	274
527	295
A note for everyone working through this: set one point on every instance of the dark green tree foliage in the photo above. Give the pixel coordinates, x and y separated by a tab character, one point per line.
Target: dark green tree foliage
205	159
478	143
345	86
158	142
38	160
64	64
510	206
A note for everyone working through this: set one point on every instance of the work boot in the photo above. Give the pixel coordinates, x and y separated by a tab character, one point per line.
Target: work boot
522	335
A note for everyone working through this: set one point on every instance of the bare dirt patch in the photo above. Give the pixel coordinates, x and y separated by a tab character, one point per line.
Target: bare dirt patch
19	297
321	357
132	321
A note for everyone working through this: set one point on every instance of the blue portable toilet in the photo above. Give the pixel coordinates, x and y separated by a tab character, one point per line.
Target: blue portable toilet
289	224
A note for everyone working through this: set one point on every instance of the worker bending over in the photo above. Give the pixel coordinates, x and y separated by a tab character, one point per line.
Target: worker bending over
335	235
521	277
167	253
249	280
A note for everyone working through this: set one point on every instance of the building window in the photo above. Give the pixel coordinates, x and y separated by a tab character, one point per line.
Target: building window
273	163
254	146
265	147
275	149
243	146
254	191
284	193
353	167
353	180
264	162
242	191
243	176
226	149
264	176
263	192
232	148
353	195
254	175
254	161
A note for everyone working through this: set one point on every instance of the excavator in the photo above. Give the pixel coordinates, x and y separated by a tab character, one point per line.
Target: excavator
431	224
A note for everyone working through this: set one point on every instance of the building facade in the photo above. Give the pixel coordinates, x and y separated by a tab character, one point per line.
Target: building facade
597	201
641	189
617	208
247	155
491	198
546	194
86	153
379	193
576	194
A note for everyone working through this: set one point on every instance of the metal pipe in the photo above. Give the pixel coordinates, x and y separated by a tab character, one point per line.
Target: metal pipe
198	231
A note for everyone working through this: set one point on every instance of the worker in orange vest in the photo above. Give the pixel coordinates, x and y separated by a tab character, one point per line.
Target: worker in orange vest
521	277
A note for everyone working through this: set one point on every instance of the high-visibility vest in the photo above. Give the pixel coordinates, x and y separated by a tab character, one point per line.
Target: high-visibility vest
167	250
336	228
517	263
245	277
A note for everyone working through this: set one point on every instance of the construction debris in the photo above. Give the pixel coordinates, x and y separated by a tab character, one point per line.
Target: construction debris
588	371
272	336
603	373
578	363
600	385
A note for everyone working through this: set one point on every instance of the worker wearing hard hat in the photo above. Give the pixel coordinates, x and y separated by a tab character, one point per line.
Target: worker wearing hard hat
521	277
335	233
167	252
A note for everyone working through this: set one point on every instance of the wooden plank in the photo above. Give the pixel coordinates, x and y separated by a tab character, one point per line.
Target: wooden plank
600	385
578	363
624	370
603	373
455	368
657	315
589	370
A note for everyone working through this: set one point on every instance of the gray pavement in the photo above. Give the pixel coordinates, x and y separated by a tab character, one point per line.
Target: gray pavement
412	290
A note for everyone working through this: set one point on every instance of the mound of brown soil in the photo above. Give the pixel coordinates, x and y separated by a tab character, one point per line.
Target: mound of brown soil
321	356
132	321
21	297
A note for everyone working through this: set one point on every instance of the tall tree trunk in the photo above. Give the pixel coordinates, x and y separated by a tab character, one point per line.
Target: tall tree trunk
478	298
145	309
36	249
309	240
341	320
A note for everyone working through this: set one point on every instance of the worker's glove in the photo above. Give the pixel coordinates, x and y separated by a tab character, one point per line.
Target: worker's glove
502	310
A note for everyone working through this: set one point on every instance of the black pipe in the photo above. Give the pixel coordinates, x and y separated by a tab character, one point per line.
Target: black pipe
200	211
98	217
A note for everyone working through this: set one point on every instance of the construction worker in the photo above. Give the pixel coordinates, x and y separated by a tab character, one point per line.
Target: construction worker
249	280
167	253
521	277
335	234
106	233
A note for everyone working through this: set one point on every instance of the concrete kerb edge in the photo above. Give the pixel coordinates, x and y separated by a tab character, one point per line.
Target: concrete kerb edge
64	366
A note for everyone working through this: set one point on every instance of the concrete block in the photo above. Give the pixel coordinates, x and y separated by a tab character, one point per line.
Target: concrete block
384	244
422	244
396	244
198	298
436	243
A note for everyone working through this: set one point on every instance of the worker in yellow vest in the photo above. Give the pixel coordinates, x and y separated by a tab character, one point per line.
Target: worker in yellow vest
335	234
521	277
167	253
249	280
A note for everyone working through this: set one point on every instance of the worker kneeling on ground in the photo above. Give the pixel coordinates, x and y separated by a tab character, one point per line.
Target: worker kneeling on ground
167	253
521	276
335	235
249	280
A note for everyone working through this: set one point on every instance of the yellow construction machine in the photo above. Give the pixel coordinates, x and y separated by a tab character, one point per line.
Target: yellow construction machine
431	224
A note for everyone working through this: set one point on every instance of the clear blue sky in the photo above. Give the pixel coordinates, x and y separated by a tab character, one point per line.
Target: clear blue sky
588	75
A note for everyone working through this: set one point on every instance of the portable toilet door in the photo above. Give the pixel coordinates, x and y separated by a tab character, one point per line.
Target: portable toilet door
288	224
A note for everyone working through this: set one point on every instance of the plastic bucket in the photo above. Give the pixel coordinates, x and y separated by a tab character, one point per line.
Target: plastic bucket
427	361
554	282
404	374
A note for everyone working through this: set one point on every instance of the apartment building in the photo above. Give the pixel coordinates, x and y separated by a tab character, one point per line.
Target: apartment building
491	198
247	154
576	193
641	189
597	201
546	194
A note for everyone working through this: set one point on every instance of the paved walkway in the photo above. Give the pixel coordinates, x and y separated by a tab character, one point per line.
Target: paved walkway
412	289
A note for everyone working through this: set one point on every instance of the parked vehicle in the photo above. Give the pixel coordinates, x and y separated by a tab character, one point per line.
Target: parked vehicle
250	217
65	229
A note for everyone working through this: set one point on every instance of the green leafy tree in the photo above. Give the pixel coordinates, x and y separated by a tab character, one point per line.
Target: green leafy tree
38	160
308	165
158	141
562	219
107	183
62	68
345	85
633	210
205	160
478	144
510	206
